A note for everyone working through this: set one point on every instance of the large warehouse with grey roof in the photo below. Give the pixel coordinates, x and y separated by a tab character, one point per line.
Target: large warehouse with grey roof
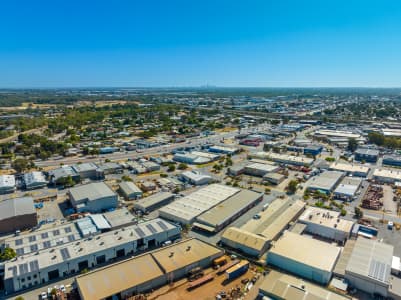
93	197
17	214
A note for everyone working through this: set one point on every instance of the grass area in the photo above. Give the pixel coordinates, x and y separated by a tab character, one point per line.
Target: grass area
206	165
226	129
151	173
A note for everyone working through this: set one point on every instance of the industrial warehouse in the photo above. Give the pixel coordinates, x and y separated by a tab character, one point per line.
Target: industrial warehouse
148	271
278	285
255	237
326	223
17	214
7	184
186	209
369	268
387	175
93	197
153	202
350	169
34	180
129	190
227	211
284	158
303	256
75	256
347	188
325	182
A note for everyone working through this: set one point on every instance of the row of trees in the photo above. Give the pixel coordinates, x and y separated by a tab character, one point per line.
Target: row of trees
381	140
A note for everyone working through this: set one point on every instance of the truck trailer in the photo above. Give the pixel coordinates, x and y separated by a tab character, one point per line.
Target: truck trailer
237	270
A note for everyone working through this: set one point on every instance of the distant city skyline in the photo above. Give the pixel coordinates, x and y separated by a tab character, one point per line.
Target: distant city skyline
179	43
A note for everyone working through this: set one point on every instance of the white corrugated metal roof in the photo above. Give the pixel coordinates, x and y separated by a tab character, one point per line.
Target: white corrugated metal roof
371	259
100	222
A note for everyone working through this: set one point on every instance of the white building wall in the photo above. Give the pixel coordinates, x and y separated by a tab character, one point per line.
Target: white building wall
366	285
325	231
299	268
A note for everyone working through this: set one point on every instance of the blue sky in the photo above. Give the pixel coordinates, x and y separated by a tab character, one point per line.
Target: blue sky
147	43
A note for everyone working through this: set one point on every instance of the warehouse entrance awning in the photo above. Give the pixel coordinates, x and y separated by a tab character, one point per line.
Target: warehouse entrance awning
204	227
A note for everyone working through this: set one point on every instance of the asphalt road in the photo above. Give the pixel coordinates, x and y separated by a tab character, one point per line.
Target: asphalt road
117	156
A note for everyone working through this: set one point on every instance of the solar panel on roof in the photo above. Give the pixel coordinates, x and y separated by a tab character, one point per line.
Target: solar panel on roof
378	270
71	238
23	269
67	229
151	228
56	232
32	238
18	242
34	248
46	244
19	251
45	235
140	232
162	225
65	253
13	270
34	266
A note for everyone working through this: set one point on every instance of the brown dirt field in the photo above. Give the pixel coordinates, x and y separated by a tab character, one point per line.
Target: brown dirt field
208	291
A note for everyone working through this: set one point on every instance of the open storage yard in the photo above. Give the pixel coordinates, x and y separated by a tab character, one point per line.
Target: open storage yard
234	289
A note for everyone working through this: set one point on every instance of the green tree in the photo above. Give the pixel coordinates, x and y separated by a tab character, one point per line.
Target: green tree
7	254
217	167
94	151
352	144
21	164
171	168
126	178
292	186
182	166
229	161
66	181
358	212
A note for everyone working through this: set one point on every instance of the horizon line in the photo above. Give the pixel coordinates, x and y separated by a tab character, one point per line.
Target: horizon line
199	87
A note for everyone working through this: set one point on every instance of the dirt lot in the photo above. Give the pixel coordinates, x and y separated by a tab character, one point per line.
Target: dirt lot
390	206
208	291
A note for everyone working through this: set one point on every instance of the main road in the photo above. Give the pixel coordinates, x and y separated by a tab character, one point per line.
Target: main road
123	155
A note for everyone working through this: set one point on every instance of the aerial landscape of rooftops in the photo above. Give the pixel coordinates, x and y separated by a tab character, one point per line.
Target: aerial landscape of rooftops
175	150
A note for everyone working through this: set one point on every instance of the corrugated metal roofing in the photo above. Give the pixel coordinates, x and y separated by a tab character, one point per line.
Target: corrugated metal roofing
372	259
16	207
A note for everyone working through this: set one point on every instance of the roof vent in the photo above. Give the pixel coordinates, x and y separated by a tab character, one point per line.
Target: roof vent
171	254
188	248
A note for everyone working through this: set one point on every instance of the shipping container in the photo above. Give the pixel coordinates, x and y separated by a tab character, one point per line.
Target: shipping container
220	261
224	268
237	270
